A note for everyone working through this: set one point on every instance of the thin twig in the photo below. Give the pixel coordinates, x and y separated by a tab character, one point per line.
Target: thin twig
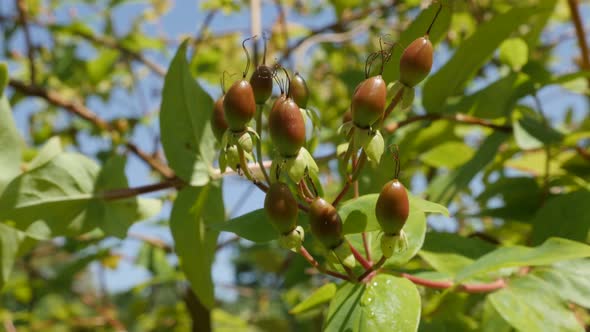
308	257
21	5
115	194
581	35
200	36
468	288
79	109
114	44
153	241
283	22
357	255
459	118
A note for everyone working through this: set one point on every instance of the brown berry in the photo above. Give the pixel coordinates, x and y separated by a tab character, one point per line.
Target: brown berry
393	207
281	207
325	223
261	82
298	90
416	61
287	128
239	105
368	101
218	123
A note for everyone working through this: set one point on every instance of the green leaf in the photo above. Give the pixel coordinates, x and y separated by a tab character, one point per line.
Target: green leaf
529	305
438	156
100	67
15	243
57	192
254	226
444	188
428	206
563	216
195	210
553	250
187	138
471	55
569	279
386	303
456	244
320	296
3	77
530	133
522	197
514	52
65	190
447	263
10	144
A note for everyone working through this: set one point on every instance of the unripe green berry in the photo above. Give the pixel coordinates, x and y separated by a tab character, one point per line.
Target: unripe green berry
325	223
368	101
281	207
393	207
416	61
239	105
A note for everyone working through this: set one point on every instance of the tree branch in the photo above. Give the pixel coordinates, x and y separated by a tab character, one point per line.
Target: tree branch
460	118
22	11
82	111
581	35
114	44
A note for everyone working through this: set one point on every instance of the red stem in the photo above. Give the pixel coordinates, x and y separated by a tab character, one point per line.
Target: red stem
367	265
368	275
367	249
308	257
468	288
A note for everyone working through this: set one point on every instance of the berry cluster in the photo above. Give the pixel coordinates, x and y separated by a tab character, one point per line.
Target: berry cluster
293	183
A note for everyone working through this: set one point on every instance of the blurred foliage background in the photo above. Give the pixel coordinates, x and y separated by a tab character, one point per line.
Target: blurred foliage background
500	133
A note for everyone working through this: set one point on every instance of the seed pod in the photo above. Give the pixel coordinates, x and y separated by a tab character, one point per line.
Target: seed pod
281	207
261	82
218	123
280	99
298	90
368	101
239	105
325	223
346	117
416	61
287	128
393	207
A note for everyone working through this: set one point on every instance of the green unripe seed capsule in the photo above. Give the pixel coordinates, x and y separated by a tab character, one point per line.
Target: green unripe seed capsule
239	105
298	90
218	123
368	101
325	223
393	207
281	207
416	61
287	128
261	82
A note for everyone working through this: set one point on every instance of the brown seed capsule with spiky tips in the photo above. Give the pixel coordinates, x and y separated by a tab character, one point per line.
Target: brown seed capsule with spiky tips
281	207
325	223
393	207
218	123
